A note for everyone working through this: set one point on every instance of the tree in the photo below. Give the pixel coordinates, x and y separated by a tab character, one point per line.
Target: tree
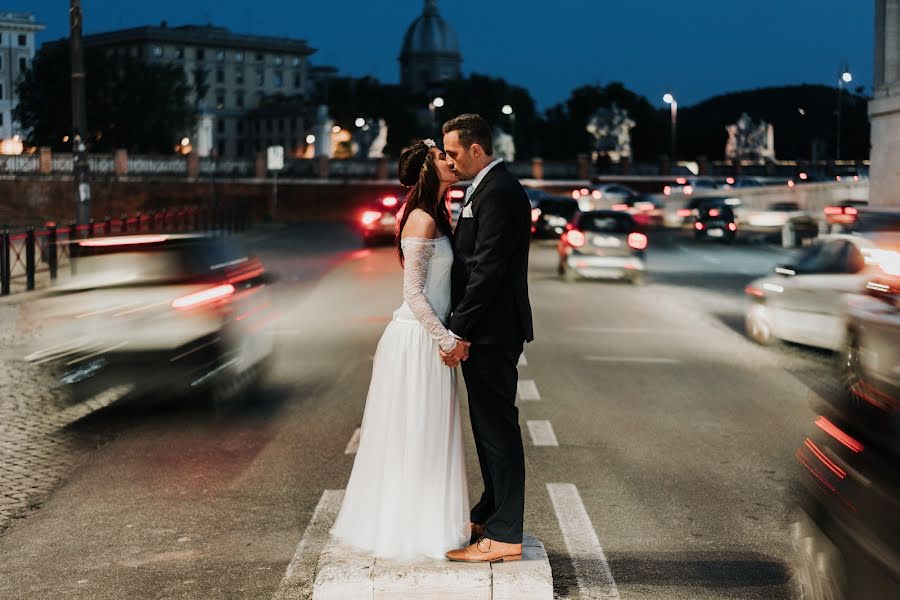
130	104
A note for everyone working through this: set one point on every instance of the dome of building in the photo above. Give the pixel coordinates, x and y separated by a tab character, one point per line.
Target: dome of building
430	51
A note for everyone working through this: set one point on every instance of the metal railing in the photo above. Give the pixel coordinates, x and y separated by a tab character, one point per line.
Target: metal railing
25	254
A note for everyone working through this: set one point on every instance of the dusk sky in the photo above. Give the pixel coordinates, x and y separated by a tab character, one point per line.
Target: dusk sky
696	48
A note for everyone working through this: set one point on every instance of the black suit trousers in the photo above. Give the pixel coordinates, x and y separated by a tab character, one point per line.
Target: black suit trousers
491	377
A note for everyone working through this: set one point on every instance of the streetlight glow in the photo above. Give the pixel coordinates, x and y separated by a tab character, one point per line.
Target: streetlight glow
336	129
507	109
668	98
360	121
438	102
310	139
185	141
847	77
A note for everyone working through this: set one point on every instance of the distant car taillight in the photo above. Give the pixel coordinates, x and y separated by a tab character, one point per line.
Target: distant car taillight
620	207
684	212
688	190
576	194
754	291
715	212
732	227
850	210
535	214
597	194
833	210
574	238
370	216
637	241
667	190
699	226
832	430
389	202
203	297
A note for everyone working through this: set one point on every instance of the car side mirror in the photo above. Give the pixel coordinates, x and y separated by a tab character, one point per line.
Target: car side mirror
786	270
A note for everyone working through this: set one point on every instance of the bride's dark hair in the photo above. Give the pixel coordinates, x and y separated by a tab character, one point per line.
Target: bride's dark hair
418	171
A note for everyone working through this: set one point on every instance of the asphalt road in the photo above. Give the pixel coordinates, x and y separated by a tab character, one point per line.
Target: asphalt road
672	466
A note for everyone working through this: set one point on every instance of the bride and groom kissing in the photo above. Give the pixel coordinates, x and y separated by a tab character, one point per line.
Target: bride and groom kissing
465	293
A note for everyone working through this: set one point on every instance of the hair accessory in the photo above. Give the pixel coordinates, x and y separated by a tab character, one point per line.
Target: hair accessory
430	143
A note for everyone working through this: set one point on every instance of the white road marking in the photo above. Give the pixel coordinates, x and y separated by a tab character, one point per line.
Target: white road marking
353	444
523	362
711	259
595	580
301	572
542	433
526	389
633	359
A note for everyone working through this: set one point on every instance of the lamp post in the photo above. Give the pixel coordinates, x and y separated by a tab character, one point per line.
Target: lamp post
79	117
846	77
435	104
670	100
507	110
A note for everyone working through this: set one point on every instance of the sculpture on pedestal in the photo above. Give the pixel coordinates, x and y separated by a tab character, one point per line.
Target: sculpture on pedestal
749	140
504	145
611	128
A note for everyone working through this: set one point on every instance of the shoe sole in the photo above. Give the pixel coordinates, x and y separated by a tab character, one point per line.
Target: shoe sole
511	558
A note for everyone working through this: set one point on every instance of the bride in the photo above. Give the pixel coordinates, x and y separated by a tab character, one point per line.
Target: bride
407	494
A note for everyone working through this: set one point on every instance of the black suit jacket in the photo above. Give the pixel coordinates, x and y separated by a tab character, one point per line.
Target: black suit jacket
490	269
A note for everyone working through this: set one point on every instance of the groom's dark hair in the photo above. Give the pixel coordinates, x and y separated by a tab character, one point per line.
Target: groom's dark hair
472	129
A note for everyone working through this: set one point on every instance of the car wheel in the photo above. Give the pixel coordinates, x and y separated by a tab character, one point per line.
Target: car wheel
819	573
759	326
850	367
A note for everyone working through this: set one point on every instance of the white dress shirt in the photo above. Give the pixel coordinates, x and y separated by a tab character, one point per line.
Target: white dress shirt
478	179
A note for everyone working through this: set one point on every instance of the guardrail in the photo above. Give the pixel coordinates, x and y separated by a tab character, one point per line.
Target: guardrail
24	254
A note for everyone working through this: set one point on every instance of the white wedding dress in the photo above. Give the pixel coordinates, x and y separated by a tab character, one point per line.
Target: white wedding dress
407	495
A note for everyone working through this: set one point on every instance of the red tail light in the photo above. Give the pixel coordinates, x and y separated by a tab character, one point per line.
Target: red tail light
125	240
203	297
732	227
681	181
576	194
637	241
667	190
389	202
832	430
688	190
535	214
699	226
753	291
370	216
620	207
833	210
850	210
715	212
684	212
729	180
575	238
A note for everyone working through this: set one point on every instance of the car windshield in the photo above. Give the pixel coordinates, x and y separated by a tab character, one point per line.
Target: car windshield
605	223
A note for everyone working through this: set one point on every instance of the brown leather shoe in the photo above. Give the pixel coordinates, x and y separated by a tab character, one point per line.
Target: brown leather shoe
477	533
487	550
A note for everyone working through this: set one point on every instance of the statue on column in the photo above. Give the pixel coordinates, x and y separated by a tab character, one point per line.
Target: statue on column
611	128
504	145
750	140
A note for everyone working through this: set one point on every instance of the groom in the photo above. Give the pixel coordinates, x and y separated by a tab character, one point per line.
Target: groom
492	317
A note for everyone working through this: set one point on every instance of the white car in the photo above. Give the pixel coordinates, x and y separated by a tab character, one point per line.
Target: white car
805	303
602	197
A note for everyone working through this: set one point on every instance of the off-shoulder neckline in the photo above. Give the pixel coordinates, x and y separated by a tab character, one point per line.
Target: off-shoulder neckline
422	239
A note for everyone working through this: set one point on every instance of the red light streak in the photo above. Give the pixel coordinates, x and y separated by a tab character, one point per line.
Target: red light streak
832	430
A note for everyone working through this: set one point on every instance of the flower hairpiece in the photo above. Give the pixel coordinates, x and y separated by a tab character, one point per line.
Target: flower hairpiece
430	143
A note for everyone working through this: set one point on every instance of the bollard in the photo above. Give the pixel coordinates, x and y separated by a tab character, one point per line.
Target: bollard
52	254
29	258
4	263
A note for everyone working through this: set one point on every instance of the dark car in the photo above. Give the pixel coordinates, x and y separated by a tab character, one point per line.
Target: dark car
716	222
691	209
550	215
843	215
155	315
647	210
603	244
378	220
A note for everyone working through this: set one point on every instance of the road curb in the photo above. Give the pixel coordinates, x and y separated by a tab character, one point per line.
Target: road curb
346	574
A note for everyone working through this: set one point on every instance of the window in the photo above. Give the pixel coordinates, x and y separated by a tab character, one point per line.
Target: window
179	52
260	57
220	99
23	39
298	80
157	51
240	148
240	127
279	60
201	54
295	61
1	62
220	55
278	79
280	125
23	64
293	125
824	257
220	75
221	148
268	125
1	91
260	77
239	76
220	126
239	99
1	118
239	57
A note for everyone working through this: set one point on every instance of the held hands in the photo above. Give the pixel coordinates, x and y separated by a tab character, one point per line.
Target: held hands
458	354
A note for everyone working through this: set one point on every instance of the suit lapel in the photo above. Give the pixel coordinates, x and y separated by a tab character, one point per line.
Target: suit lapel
484	183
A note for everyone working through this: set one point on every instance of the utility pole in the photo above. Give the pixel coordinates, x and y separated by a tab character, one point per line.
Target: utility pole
79	118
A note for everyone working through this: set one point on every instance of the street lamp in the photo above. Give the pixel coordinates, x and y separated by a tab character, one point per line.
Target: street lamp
670	100
438	102
507	109
310	139
360	122
846	77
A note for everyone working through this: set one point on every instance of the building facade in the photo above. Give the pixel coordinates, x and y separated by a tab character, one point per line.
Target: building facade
231	76
430	53
17	47
884	109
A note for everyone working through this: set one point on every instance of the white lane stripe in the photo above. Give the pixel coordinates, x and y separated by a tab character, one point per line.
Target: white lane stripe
353	444
526	389
711	259
523	362
627	330
633	359
301	571
542	433
595	580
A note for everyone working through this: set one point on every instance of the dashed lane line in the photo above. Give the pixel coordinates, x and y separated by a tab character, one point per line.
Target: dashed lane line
300	575
526	389
595	579
353	444
542	433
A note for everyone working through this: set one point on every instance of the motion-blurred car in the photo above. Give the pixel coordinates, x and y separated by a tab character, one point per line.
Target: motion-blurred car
155	315
603	244
687	186
603	196
378	220
647	210
686	215
715	222
550	215
805	303
842	215
784	221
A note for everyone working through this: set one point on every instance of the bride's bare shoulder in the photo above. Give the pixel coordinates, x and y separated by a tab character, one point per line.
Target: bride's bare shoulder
419	225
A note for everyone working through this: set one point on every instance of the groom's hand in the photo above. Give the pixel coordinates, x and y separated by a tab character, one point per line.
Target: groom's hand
458	354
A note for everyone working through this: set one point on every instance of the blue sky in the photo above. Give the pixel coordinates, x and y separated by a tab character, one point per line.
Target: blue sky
697	48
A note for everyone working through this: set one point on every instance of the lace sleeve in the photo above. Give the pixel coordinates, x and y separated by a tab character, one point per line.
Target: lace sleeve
417	255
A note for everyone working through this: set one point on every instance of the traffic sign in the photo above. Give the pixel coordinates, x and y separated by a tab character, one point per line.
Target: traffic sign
275	158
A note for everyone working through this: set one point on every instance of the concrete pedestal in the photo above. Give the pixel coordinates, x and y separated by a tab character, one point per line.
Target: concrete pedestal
348	575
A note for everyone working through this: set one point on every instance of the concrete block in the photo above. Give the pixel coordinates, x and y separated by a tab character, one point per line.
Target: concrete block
432	580
528	579
343	574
